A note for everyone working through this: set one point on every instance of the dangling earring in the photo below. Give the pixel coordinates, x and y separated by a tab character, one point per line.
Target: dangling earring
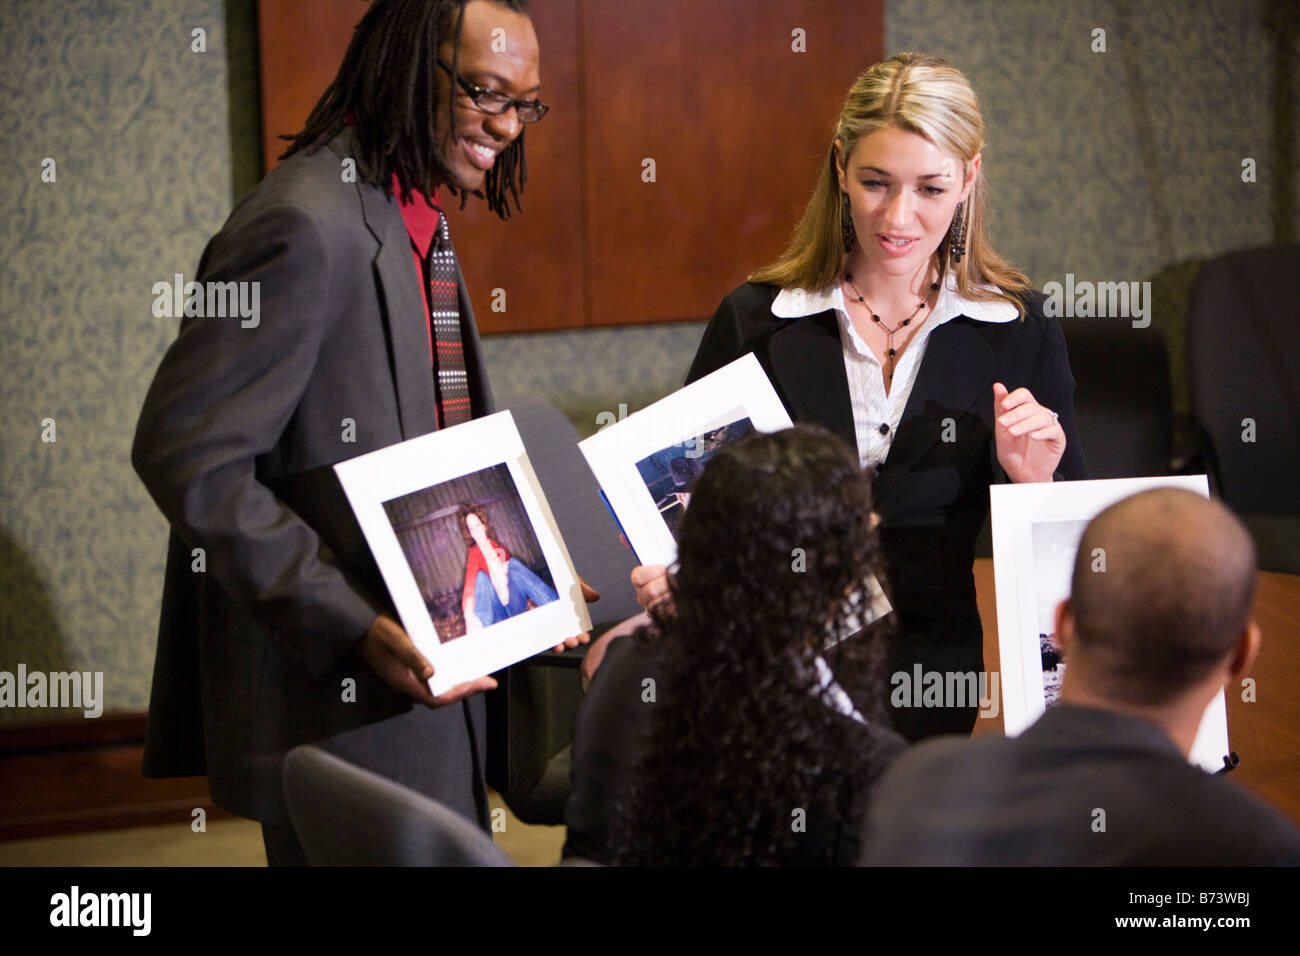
846	225
957	235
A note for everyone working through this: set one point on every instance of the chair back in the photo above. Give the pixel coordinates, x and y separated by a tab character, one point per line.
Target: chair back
347	816
1243	343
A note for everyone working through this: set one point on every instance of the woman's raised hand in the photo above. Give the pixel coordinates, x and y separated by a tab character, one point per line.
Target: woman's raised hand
1030	440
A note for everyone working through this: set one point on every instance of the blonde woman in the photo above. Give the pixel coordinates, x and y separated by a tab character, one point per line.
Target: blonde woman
891	321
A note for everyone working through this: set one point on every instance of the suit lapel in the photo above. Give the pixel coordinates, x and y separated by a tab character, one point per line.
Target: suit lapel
807	363
956	371
403	306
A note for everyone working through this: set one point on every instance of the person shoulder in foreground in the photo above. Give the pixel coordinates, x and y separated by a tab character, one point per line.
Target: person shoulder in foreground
1102	778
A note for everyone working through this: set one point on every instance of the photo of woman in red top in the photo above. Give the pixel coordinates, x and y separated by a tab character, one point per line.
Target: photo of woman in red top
497	586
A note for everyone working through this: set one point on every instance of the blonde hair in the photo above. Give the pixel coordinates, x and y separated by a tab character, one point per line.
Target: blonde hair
918	94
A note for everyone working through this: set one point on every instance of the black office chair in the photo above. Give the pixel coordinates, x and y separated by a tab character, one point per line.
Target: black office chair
1243	345
347	816
530	714
1123	396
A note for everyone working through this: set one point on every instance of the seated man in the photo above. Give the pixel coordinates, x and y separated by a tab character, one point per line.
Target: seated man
1102	777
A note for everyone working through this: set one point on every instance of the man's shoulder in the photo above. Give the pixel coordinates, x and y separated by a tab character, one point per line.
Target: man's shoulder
1169	811
930	796
1157	807
1232	814
940	756
315	183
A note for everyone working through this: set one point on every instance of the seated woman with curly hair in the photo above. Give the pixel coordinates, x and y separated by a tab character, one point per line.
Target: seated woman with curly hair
743	727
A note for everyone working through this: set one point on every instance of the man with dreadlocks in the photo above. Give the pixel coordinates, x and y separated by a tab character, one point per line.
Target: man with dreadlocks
276	627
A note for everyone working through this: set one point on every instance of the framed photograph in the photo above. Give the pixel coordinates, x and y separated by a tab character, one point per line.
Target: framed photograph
1036	533
467	545
648	463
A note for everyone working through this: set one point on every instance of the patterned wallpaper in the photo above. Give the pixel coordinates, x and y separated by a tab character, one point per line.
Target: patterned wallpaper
137	125
586	373
1123	165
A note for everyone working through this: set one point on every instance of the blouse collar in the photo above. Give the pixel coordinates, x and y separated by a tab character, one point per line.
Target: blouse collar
797	303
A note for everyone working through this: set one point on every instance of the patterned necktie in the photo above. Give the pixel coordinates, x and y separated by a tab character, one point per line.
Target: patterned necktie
451	380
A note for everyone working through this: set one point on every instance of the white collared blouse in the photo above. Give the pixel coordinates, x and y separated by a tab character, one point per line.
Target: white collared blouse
872	406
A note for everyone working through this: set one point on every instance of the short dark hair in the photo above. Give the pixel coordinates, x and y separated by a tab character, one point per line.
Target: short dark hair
777	534
1172	600
386	87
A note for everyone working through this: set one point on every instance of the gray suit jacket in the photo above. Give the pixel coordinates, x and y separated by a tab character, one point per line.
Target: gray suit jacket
235	443
1035	800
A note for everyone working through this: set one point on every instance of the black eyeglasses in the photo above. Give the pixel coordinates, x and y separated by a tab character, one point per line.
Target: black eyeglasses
495	103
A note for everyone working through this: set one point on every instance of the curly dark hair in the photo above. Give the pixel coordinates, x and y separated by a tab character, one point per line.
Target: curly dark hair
777	535
386	84
463	513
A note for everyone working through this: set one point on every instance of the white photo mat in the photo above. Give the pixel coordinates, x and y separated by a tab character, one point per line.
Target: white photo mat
738	390
1015	510
411	466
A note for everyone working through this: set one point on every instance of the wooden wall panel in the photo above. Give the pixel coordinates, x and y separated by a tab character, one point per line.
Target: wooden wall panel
80	775
735	120
300	47
538	257
737	124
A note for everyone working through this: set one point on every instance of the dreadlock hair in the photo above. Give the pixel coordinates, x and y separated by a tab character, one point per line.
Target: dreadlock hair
386	88
743	731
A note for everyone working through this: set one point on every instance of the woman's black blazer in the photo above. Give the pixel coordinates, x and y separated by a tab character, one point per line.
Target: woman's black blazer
931	494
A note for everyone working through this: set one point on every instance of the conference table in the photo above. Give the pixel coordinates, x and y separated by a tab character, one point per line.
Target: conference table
1265	732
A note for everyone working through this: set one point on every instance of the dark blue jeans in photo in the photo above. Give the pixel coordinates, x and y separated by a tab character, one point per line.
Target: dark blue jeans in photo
523	584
